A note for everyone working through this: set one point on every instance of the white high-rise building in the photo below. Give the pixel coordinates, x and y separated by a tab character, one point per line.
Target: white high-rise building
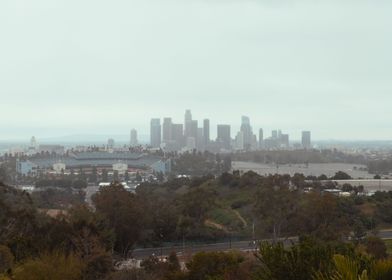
134	141
187	123
167	130
247	131
155	133
306	139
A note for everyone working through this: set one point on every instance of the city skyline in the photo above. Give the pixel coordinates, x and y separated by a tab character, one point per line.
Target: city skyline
144	132
165	125
172	139
84	75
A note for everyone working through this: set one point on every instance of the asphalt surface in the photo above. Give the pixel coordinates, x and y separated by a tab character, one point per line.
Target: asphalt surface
385	234
245	246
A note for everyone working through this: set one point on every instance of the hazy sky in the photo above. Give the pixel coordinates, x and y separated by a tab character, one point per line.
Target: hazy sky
99	67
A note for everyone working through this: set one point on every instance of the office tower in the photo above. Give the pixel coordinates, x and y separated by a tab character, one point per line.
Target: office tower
178	135
306	140
239	141
187	123
190	143
274	134
245	120
110	143
133	141
279	135
192	129
246	129
224	135
193	126
166	130
33	144
155	133
269	143
200	139
284	140
261	138
206	131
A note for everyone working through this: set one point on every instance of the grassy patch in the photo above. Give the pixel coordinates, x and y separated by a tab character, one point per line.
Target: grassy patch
227	218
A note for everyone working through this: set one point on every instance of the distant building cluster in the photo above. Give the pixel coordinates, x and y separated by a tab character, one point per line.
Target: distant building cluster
42	159
165	135
121	162
190	135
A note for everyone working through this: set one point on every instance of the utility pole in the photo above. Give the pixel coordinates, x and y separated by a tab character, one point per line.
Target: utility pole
253	231
161	236
183	244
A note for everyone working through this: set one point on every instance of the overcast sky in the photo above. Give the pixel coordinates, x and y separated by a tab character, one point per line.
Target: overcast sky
103	67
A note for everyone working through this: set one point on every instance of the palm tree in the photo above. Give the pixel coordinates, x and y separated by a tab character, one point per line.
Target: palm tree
349	269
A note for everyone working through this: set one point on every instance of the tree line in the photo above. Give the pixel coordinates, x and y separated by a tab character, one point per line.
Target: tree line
206	208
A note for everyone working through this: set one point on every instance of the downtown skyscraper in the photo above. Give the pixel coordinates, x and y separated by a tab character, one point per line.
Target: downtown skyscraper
155	133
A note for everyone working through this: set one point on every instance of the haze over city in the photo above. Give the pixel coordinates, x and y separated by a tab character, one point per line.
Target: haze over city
65	73
195	139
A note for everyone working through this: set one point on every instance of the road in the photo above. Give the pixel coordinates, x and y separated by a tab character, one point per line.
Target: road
189	250
220	247
385	234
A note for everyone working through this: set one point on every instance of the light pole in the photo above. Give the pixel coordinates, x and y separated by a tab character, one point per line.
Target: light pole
161	236
183	244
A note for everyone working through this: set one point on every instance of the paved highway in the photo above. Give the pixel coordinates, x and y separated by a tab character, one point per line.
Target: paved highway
226	246
189	250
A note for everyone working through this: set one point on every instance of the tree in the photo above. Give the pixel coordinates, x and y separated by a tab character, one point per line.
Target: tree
376	247
160	177
164	218
226	163
357	267
298	180
226	178
215	265
6	259
124	214
55	266
91	240
346	268
196	204
340	175
274	208
19	227
4	174
347	188
298	261
322	177
325	216
138	177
